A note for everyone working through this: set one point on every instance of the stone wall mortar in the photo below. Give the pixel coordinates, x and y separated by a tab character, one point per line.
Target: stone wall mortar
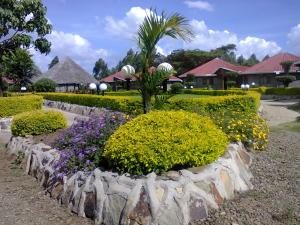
176	197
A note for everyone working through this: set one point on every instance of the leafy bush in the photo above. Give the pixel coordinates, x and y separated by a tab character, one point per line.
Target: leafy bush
130	104
176	88
37	122
81	145
123	93
164	140
45	85
285	79
198	91
10	106
283	91
248	128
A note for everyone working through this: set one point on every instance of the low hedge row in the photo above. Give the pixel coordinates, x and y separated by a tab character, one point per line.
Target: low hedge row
130	104
133	104
123	93
10	106
197	91
37	122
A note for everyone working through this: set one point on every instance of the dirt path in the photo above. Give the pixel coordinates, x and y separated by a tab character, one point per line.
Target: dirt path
274	200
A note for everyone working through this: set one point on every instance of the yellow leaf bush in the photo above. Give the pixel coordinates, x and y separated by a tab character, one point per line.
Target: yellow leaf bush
37	122
10	106
164	140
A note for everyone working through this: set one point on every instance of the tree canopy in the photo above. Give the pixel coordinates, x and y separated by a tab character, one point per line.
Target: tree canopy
23	24
100	69
54	61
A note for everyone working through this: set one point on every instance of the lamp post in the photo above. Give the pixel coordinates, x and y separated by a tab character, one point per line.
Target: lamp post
128	71
92	87
103	87
166	67
23	89
245	87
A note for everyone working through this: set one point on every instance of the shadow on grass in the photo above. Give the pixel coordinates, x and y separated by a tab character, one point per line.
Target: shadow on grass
295	107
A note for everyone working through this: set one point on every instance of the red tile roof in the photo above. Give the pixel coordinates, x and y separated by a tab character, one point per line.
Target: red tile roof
212	66
119	76
272	64
7	80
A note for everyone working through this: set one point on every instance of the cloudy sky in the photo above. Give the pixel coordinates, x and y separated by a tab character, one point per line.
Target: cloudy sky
87	30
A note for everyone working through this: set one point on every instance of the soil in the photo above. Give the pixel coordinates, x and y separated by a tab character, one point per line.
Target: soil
273	201
48	139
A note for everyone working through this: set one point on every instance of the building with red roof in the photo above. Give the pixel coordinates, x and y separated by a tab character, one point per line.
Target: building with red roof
118	81
265	72
213	73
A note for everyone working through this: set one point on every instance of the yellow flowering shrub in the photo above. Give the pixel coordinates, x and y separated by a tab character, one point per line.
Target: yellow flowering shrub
37	122
164	140
248	128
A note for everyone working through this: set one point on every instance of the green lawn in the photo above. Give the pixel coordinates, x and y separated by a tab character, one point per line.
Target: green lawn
295	107
291	126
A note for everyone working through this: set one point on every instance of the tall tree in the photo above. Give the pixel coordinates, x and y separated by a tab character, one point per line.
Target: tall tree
54	61
251	61
18	66
151	31
100	69
266	57
23	24
240	60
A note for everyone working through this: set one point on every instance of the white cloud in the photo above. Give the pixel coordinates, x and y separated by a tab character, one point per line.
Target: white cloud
127	26
73	45
259	46
203	5
160	50
205	37
294	39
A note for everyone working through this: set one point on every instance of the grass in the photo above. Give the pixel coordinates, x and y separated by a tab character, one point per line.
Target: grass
290	126
295	107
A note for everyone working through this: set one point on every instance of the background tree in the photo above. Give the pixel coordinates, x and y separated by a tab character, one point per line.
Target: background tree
286	79
286	66
100	69
44	85
252	60
18	66
240	60
151	31
266	57
54	61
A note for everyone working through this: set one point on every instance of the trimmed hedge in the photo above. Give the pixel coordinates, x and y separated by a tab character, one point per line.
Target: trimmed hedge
241	103
164	140
10	106
283	91
37	122
123	93
131	104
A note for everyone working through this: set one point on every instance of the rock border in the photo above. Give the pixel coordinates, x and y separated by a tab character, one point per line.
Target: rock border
176	197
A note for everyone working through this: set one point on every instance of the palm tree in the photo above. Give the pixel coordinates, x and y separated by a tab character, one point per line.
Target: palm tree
151	31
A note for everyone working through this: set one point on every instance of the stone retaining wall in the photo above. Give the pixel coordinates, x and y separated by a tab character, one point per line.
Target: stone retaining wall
77	109
176	197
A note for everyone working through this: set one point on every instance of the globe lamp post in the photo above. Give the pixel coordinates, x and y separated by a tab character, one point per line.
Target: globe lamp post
128	71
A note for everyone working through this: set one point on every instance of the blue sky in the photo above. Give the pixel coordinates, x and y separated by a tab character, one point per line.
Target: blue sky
87	30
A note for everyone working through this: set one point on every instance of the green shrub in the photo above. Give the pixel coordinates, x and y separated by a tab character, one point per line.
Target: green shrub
10	106
44	85
123	93
130	104
164	140
198	91
176	88
283	91
37	122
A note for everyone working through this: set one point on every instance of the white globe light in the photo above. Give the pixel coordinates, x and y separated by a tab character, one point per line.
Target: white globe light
103	87
164	67
92	86
192	87
184	87
128	71
243	86
253	84
247	86
23	88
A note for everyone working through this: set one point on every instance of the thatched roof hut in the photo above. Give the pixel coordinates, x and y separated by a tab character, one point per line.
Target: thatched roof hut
68	72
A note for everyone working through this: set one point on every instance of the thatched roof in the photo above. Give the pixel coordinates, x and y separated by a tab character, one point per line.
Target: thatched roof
68	72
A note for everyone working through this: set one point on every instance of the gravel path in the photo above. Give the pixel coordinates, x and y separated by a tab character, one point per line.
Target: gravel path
274	200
